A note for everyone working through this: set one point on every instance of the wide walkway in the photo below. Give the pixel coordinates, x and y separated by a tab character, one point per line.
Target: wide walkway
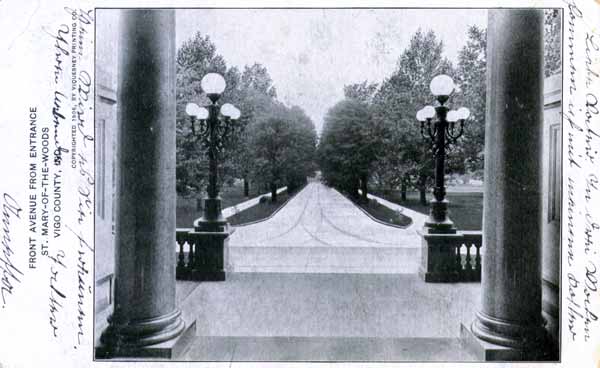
321	231
320	280
285	316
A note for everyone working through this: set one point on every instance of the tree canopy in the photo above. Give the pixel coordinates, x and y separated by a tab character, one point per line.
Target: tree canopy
274	144
349	145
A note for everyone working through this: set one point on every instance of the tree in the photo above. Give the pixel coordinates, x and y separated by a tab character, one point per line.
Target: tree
301	153
552	38
471	83
257	78
282	146
362	92
194	59
256	98
349	147
252	91
399	98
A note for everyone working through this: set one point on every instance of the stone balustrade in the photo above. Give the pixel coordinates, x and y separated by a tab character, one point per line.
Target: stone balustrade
452	257
185	251
201	256
469	256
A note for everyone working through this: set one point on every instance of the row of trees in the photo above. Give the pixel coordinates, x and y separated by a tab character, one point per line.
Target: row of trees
372	136
273	144
375	125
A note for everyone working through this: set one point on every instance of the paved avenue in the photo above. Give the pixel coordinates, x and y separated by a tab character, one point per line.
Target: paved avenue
321	231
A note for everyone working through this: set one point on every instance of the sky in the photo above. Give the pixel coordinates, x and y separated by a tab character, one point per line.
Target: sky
312	53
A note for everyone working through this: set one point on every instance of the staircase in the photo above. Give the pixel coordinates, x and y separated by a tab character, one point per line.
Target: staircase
348	317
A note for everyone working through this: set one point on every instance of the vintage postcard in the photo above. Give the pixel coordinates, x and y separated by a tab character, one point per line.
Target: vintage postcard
238	184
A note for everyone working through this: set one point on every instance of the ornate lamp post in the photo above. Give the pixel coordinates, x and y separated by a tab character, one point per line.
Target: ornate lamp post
213	130
442	132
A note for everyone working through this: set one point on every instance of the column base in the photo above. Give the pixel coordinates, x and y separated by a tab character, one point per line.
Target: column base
540	350
128	342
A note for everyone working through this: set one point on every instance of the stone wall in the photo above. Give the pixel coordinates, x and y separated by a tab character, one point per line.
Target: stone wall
107	31
551	207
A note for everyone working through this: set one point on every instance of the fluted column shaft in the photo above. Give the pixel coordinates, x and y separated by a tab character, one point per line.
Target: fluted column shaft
145	311
510	313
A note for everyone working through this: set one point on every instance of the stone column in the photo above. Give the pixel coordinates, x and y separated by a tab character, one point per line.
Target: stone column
145	320
509	325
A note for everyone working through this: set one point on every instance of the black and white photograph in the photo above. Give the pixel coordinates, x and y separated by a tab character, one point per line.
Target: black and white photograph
335	184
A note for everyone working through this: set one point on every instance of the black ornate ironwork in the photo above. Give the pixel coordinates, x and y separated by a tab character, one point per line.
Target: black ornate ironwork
214	133
441	134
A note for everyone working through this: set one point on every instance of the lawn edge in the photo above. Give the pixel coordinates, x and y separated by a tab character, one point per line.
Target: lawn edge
376	219
271	215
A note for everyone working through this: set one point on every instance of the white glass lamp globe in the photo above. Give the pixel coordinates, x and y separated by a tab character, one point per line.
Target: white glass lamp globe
452	116
463	113
441	85
235	114
191	109
227	109
428	112
420	116
202	113
213	84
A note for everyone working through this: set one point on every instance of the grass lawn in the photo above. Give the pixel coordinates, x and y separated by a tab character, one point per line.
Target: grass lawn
260	211
187	210
466	209
384	214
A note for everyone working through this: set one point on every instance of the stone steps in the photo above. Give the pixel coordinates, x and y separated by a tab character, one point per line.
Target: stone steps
315	349
315	259
331	305
324	317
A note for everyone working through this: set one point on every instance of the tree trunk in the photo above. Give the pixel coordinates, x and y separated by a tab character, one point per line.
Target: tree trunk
246	187
353	189
273	192
403	190
363	187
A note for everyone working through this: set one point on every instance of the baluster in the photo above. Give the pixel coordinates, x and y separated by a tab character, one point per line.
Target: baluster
468	265
180	262
478	260
458	267
191	257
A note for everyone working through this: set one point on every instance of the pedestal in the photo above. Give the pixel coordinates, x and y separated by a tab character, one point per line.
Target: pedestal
438	242
211	257
438	257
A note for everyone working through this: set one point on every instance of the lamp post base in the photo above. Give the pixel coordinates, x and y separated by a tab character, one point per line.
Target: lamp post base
438	245
438	221
212	219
